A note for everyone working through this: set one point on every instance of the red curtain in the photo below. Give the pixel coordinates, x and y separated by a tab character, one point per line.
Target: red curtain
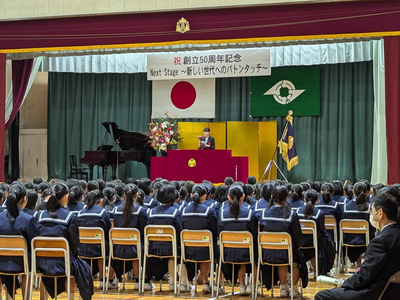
21	71
392	77
2	110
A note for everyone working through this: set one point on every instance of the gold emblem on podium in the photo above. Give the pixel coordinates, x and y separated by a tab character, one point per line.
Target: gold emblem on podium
191	163
182	26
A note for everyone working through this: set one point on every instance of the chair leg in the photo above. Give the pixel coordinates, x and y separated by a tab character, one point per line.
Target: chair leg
272	283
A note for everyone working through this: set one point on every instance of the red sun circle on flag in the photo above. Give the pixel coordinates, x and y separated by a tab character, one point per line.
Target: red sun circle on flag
183	94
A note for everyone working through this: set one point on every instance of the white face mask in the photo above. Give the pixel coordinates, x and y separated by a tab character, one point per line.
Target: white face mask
372	221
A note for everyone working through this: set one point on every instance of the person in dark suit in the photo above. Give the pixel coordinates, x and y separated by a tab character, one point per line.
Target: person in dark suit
382	258
207	141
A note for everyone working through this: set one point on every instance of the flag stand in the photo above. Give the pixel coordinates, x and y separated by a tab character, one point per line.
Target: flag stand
272	161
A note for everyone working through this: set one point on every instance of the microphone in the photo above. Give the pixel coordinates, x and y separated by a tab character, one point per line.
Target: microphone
321	279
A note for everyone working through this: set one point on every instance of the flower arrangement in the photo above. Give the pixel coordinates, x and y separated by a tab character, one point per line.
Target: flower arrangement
164	132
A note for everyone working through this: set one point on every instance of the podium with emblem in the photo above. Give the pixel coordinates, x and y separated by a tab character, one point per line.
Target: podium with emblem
197	165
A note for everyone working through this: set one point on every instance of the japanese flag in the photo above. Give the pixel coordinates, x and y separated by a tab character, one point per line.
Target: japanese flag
187	98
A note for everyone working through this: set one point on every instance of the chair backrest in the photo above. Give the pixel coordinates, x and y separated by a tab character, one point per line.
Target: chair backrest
91	235
126	237
160	233
235	239
197	238
50	247
395	278
354	226
14	245
308	227
275	241
72	161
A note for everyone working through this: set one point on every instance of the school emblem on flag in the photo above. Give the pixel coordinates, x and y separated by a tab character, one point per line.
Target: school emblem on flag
287	146
188	98
288	88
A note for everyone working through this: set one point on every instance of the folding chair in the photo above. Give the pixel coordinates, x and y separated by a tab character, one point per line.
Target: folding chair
236	240
15	246
160	233
331	225
395	278
49	247
125	237
275	241
310	227
352	226
197	238
94	236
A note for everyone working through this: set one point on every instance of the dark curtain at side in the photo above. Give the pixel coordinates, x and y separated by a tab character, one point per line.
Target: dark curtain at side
13	138
392	93
335	145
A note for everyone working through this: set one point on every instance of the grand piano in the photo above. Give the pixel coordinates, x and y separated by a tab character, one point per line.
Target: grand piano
135	147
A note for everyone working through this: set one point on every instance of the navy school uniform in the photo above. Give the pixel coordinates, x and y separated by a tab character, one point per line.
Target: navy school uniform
31	212
139	221
162	215
331	208
150	202
246	221
282	219
350	211
25	225
64	225
96	216
326	248
259	207
118	201
199	217
294	205
339	199
75	207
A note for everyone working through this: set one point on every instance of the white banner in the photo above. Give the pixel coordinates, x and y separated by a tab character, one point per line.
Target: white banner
209	64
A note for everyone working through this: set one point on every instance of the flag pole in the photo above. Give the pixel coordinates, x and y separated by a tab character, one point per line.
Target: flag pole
272	161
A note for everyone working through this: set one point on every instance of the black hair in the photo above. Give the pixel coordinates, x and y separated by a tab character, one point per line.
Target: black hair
252	180
42	186
198	191
119	189
311	196
75	194
92	198
145	185
83	184
29	185
327	192
392	190
221	193
360	192
130	191
367	185
266	191
235	193
279	196
109	193
140	198
166	194
101	183
248	190
387	203
317	186
189	185
37	180
92	185
206	129
348	191
377	187
183	193
296	192
4	186
337	188
32	199
58	191
228	181
176	184
305	185
16	194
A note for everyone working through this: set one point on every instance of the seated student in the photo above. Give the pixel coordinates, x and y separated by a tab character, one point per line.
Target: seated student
14	221
326	248
296	198
56	221
130	215
75	199
108	200
265	201
249	193
165	214
338	192
382	258
93	215
197	216
358	208
238	217
328	205
207	141
145	185
348	193
280	218
31	204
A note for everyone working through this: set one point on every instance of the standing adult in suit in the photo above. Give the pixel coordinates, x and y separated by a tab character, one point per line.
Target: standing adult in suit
207	141
382	258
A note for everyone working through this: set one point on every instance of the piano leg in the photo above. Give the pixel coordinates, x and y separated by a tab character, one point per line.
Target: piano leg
114	172
91	172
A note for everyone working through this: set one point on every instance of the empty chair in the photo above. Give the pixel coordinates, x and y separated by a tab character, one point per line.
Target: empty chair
395	278
75	171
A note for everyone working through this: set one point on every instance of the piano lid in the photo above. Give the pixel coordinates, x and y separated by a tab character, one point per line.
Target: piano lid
127	140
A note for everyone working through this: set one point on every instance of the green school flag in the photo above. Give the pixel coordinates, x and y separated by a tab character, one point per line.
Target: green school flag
288	88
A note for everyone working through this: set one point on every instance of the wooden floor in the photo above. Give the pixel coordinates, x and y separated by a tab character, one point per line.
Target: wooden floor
129	293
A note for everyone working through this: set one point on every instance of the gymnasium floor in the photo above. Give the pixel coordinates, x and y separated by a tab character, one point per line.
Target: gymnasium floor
129	293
